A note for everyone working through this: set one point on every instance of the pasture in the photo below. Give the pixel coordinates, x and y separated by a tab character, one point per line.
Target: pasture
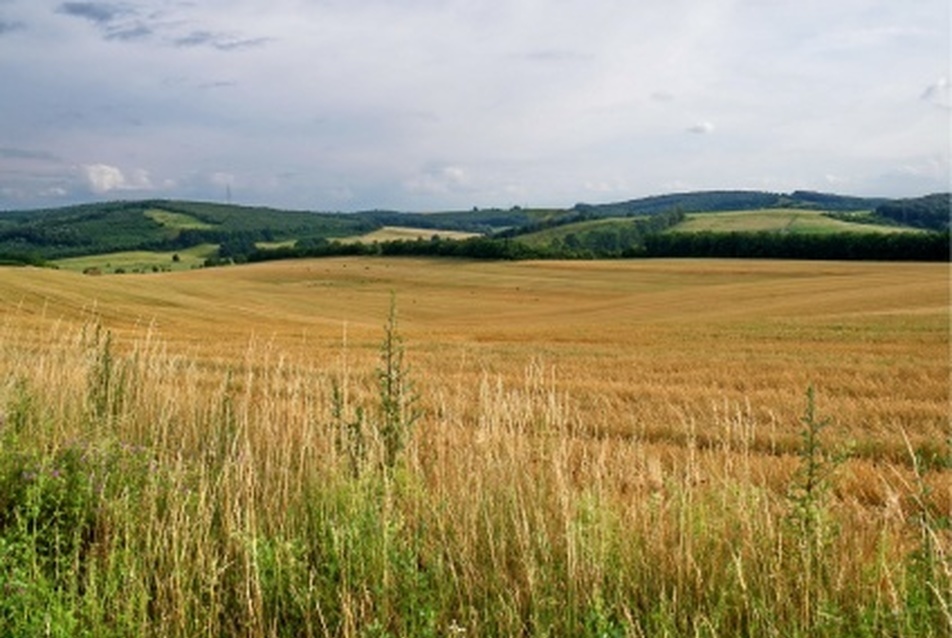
140	261
791	220
401	233
591	448
177	221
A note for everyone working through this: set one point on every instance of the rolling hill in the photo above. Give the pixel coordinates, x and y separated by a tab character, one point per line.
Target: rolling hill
167	234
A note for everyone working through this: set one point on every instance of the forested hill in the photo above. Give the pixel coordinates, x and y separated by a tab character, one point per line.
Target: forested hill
932	212
36	236
716	201
157	225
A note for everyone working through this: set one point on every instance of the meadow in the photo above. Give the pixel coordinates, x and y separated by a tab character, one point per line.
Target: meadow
409	447
140	261
791	220
401	233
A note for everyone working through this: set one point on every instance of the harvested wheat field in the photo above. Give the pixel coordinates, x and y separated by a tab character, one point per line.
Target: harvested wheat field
357	447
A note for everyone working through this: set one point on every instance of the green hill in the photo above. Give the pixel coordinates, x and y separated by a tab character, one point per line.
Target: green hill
127	230
158	225
165	226
718	201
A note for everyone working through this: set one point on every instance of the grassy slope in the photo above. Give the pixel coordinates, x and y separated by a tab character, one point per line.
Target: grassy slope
179	221
778	220
544	237
140	260
395	233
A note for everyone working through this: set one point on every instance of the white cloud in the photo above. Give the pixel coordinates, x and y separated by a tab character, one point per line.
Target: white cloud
439	180
701	128
103	179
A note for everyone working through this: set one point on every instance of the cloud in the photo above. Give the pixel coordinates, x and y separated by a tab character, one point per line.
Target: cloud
939	94
9	27
127	23
701	128
429	104
117	22
555	56
217	84
24	154
103	179
130	32
54	191
439	180
101	13
220	41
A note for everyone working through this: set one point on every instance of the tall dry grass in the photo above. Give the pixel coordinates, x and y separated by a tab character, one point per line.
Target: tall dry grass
148	492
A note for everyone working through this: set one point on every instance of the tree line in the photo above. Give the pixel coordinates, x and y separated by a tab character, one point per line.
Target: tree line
932	211
763	245
772	245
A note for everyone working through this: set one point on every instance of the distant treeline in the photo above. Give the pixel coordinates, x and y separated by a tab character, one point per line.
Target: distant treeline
764	245
471	248
772	245
932	211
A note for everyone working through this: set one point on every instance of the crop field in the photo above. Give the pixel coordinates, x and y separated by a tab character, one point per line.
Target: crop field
140	261
393	447
790	220
400	233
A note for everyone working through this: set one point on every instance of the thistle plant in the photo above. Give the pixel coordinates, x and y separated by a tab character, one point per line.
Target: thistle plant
808	516
398	411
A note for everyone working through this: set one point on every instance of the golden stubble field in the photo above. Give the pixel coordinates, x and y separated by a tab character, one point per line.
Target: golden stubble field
639	347
657	406
659	351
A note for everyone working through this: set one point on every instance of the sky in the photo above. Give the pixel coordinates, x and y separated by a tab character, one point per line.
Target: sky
425	105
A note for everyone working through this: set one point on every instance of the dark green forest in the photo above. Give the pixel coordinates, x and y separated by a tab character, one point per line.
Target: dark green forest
931	212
